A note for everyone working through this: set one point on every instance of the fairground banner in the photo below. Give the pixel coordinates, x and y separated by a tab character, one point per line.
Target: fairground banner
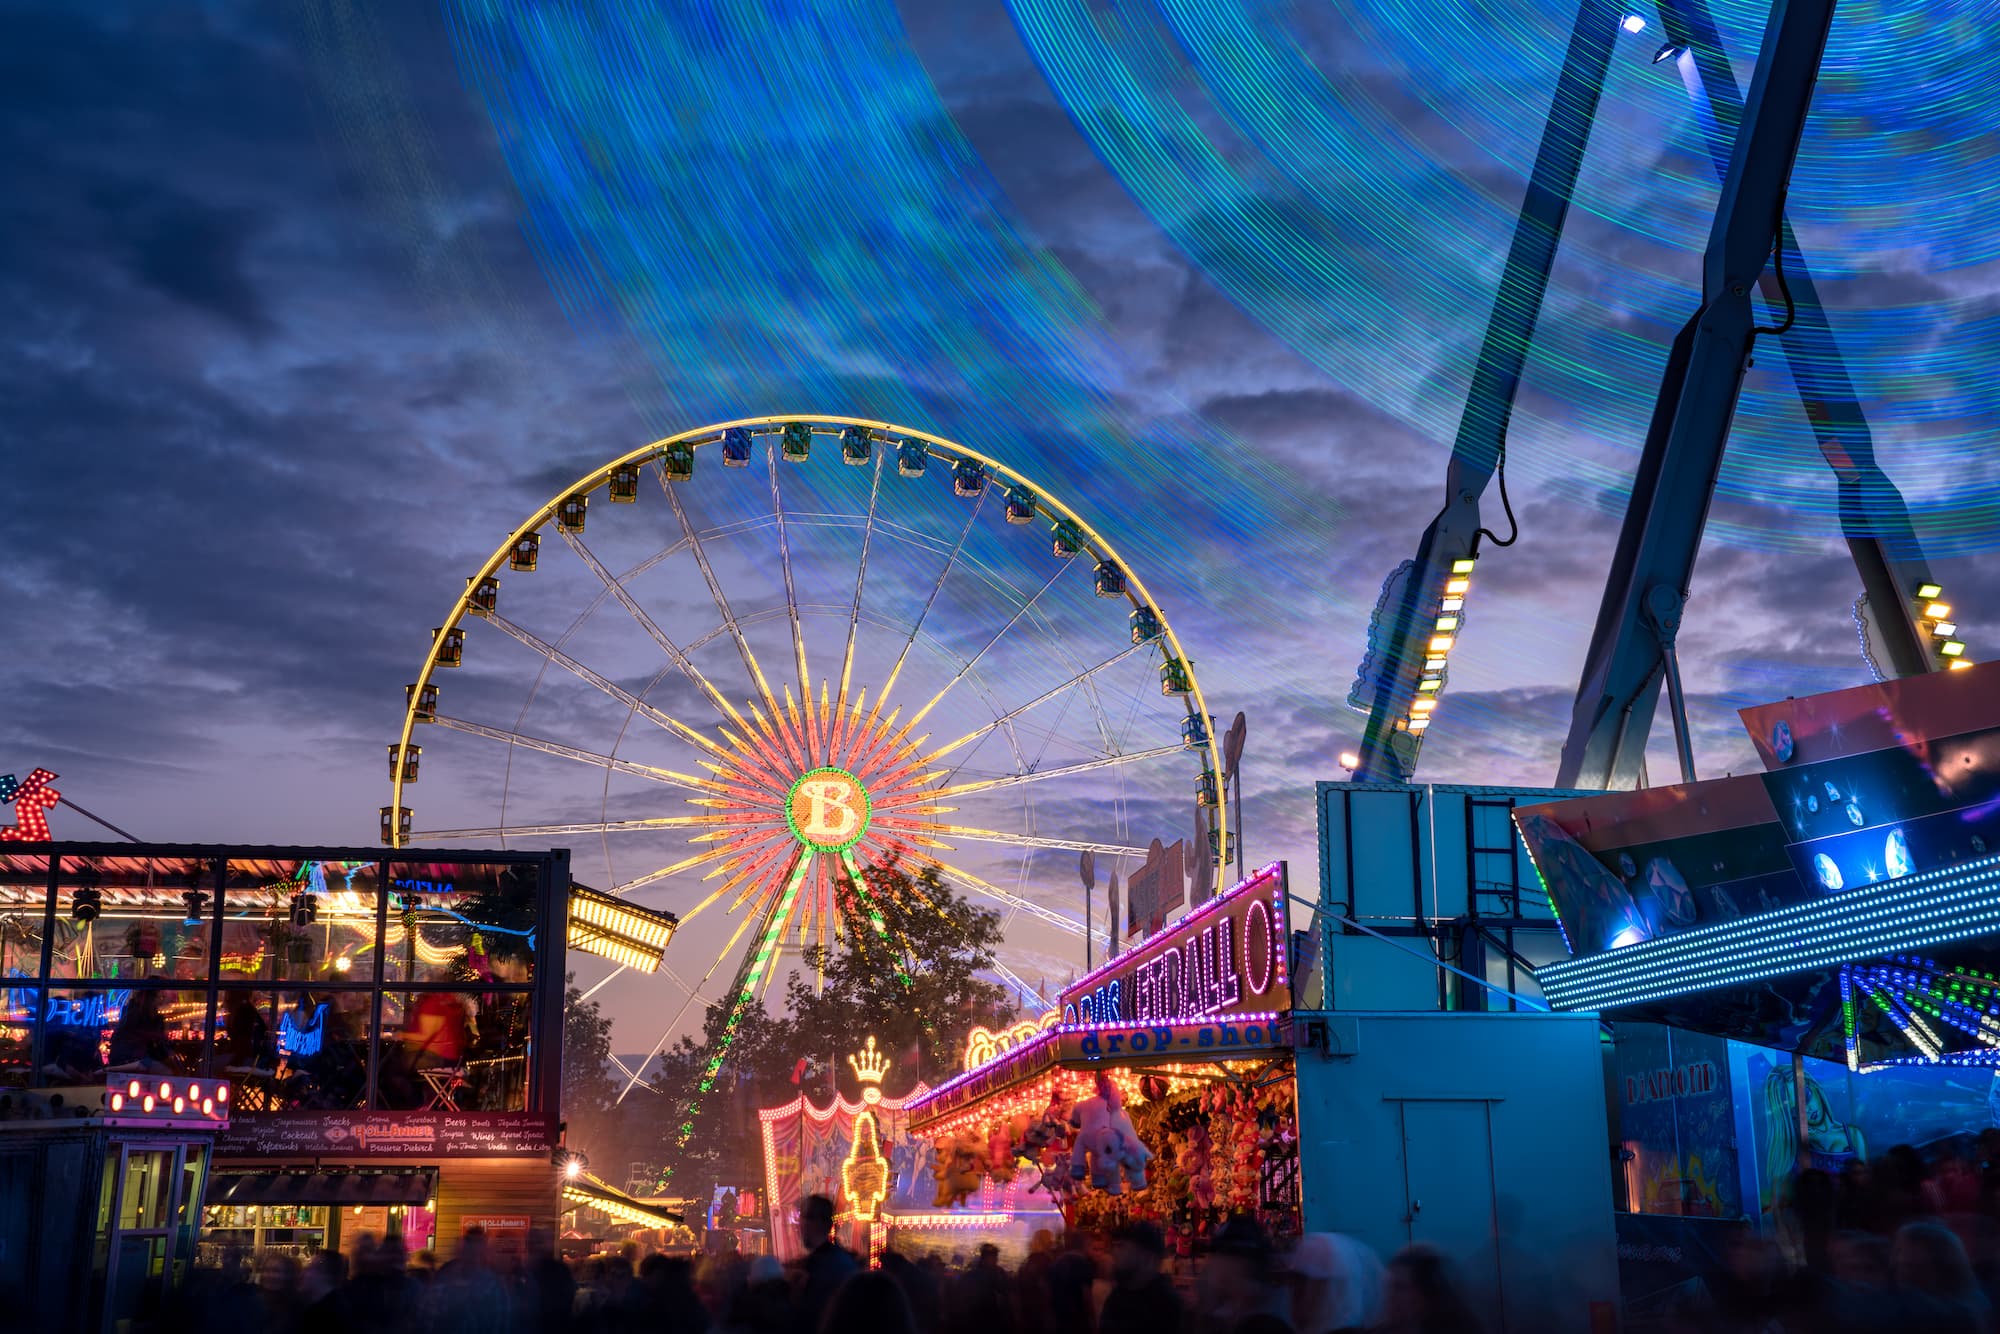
806	1146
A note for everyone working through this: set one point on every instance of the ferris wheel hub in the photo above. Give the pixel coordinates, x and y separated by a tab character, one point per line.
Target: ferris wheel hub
828	809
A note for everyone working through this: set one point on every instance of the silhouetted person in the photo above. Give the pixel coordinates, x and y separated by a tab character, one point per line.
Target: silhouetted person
551	1289
825	1266
664	1297
1816	1205
467	1297
1142	1298
1071	1277
920	1289
323	1290
868	1303
1336	1284
1420	1297
1240	1279
763	1304
1935	1279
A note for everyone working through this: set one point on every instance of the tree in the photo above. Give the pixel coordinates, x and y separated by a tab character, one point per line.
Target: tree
905	969
589	1094
912	980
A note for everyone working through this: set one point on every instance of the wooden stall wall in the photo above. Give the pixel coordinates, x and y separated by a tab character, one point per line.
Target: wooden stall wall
506	1196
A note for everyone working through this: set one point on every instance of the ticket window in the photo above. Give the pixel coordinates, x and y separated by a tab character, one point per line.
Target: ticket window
148	1209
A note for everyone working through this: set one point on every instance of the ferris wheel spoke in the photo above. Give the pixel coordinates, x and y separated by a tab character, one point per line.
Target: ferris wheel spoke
646	622
1038	775
551	830
929	602
652	773
1011	840
998	635
748	858
715	592
609	687
986	729
808	731
841	720
1015	901
1025	991
699	859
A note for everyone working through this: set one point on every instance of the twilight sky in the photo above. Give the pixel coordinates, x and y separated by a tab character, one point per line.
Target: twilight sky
308	305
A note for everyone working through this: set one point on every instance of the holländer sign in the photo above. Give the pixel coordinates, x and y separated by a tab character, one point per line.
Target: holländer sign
1226	957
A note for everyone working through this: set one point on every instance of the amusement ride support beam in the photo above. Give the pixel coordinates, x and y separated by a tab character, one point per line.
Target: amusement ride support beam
1873	517
1675	482
1388	749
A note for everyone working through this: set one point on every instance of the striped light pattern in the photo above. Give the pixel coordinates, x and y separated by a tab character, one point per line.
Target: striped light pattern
1266	141
619	930
1916	912
1934	1007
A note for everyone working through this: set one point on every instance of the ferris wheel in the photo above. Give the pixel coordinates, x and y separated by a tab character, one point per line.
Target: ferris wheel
816	644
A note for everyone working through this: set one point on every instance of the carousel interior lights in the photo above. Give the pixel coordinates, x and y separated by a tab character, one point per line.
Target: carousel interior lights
1889	917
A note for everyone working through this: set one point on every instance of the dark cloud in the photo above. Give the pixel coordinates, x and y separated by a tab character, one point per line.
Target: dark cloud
187	250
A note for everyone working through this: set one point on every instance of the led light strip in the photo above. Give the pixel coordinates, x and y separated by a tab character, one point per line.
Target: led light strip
1255	880
1445	630
926	1103
1900	916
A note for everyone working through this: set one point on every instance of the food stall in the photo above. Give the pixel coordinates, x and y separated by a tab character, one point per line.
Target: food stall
1162	1090
389	1024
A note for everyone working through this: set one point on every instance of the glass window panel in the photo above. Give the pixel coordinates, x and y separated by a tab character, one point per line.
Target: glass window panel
24	892
290	921
460	922
191	1182
455	1049
137	1030
148	1182
18	1006
293	1050
142	929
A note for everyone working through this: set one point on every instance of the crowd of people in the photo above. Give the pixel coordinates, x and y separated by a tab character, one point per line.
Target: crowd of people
1891	1246
1086	1283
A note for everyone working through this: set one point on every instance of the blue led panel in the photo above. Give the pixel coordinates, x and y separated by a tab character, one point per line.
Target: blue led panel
1921	911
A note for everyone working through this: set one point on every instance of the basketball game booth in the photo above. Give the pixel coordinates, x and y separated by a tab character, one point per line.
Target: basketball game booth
1162	1090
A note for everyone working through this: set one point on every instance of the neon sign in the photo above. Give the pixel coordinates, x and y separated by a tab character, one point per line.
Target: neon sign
32	801
295	1039
86	1011
984	1043
408	887
1227	957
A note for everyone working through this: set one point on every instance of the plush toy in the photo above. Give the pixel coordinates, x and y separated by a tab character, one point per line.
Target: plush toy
959	1163
1197	1161
1246	1155
1000	1152
1108	1149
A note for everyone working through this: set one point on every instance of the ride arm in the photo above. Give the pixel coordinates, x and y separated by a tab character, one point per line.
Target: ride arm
1690	428
1405	622
1873	517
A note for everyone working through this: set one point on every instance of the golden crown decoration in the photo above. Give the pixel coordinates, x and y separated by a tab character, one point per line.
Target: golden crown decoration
869	1064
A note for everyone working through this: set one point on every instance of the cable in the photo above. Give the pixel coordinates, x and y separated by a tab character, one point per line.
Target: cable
1784	288
1506	506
